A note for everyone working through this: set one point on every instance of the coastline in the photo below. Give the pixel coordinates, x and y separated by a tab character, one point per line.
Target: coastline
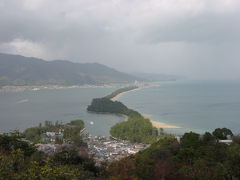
115	98
155	124
124	116
53	87
159	125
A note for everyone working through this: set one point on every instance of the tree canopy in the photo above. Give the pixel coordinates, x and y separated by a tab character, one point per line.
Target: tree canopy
194	157
20	160
222	133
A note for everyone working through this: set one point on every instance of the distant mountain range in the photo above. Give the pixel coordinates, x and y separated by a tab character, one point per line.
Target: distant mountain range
20	70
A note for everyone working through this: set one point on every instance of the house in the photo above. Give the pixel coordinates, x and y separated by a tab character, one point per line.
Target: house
226	141
51	136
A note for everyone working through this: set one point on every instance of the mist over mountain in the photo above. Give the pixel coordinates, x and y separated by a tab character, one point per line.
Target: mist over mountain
20	70
154	77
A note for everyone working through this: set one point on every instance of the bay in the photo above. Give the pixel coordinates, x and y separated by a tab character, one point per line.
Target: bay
21	110
193	105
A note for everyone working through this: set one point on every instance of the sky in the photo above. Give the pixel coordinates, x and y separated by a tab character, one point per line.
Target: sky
193	38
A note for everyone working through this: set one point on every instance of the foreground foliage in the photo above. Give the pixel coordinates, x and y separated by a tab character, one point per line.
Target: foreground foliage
20	160
194	157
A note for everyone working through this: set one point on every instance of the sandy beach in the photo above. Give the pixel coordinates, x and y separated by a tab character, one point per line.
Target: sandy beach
158	125
115	98
125	117
163	125
154	123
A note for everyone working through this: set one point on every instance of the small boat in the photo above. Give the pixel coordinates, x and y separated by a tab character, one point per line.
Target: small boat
91	122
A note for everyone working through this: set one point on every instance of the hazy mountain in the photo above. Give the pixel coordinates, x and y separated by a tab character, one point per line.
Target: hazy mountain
20	70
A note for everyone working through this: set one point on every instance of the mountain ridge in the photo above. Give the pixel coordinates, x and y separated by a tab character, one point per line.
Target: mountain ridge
20	70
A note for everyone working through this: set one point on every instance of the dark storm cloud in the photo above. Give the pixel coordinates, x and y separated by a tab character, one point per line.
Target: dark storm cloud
167	36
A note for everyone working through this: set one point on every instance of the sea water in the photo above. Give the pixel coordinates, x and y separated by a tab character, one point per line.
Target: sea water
193	105
21	110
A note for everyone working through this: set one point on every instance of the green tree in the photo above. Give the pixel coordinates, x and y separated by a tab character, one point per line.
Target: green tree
222	133
208	138
190	140
9	143
233	160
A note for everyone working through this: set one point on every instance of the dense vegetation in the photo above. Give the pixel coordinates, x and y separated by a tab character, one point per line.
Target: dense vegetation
106	105
20	160
196	156
135	129
70	130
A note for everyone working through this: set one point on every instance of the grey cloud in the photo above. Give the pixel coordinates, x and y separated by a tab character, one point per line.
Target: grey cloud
127	35
215	28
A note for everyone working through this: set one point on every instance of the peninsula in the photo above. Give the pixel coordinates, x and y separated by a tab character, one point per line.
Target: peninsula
117	94
137	128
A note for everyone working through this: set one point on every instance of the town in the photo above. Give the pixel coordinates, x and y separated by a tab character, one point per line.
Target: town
103	149
49	138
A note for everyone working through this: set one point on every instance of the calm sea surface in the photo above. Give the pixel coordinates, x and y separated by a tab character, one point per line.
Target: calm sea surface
20	110
196	106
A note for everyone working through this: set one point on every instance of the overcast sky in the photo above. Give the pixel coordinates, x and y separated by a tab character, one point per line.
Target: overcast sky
193	38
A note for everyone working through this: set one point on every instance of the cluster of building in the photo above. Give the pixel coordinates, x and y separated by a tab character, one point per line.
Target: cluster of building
52	137
103	149
47	148
49	141
36	88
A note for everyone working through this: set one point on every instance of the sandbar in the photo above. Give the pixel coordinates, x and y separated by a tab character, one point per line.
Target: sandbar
158	125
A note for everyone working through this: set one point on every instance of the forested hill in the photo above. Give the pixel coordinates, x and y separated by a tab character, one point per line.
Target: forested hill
20	70
135	129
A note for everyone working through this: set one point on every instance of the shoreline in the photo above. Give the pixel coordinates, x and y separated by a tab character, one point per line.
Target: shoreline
125	117
53	87
155	124
159	125
115	98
